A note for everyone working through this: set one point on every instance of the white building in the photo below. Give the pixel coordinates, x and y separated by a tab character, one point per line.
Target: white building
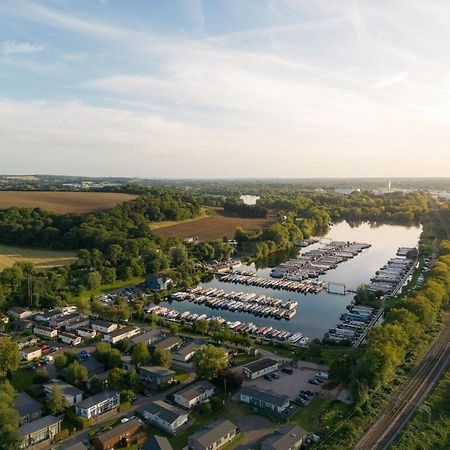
47	332
119	335
98	404
72	394
86	333
70	338
30	353
167	417
102	326
260	368
194	394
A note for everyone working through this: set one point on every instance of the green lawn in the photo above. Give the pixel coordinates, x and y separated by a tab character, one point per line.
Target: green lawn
22	378
241	359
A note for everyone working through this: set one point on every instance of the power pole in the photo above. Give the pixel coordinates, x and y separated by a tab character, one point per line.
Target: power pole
30	291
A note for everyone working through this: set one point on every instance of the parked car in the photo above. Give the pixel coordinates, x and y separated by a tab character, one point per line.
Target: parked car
287	370
275	376
268	377
313	381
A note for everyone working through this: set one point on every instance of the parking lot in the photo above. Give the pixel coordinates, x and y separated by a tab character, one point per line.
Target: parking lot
291	385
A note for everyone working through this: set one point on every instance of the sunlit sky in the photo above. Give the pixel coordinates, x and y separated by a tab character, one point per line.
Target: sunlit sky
217	88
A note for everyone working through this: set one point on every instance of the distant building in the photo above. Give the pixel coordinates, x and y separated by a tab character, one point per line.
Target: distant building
21	325
169	343
167	417
155	375
127	362
30	353
266	401
16	312
121	334
102	326
158	283
28	408
260	368
193	395
93	366
66	320
81	322
289	437
69	338
149	337
214	435
47	332
98	404
86	333
49	315
41	431
72	394
157	443
28	342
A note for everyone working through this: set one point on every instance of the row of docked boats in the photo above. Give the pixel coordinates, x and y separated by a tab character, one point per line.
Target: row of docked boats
266	333
353	324
318	261
303	287
258	305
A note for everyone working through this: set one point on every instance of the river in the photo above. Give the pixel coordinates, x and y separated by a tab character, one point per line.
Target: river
316	313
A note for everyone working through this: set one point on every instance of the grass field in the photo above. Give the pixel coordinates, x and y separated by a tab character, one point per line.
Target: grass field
41	258
62	202
213	226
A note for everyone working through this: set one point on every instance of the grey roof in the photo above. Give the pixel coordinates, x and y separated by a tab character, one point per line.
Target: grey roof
213	431
38	424
76	446
168	342
66	388
265	396
188	349
158	443
166	412
145	337
119	430
31	349
285	437
50	313
102	323
25	404
67	317
121	331
17	309
95	399
69	335
195	390
157	370
260	364
92	365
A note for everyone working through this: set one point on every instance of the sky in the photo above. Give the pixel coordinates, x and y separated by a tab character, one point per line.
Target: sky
225	88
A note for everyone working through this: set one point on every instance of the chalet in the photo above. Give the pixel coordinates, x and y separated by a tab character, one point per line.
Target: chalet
86	333
267	401
69	338
93	366
127	362
289	437
149	337
213	435
260	368
193	395
72	394
30	353
21	325
123	435
77	323
186	353
49	315
167	417
102	326
28	408
41	431
158	283
28	342
169	343
98	404
121	334
46	332
16	312
155	375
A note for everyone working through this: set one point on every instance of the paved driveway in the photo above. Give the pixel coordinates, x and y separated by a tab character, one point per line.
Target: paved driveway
255	428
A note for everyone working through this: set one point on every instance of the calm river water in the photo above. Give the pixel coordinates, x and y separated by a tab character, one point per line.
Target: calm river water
316	313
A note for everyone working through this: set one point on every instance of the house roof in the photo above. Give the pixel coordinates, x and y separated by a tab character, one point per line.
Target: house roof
166	412
195	390
285	437
121	331
260	364
158	443
17	310
264	396
145	337
38	424
168	342
188	349
76	446
67	317
66	388
69	335
98	398
92	365
131	426
31	349
213	431
50	313
102	323
44	328
157	370
25	404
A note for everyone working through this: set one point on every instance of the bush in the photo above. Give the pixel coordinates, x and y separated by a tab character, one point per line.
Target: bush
40	377
62	435
124	406
78	421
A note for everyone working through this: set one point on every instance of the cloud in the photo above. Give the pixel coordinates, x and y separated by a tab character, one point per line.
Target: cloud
12	47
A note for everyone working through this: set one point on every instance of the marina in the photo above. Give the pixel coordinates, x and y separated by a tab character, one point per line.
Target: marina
316	313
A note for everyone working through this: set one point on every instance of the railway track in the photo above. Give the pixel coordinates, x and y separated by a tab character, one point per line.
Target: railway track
403	405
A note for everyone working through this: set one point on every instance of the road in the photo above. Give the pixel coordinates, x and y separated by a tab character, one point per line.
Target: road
403	405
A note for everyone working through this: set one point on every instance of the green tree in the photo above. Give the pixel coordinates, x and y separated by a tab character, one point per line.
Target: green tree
114	359
140	353
162	357
96	385
76	374
209	361
60	362
57	403
9	356
116	379
94	280
10	437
